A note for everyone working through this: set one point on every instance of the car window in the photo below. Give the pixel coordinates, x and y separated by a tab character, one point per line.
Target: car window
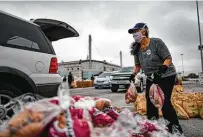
19	41
126	69
103	75
20	34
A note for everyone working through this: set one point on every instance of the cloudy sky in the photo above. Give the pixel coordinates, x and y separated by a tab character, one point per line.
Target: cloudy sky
108	22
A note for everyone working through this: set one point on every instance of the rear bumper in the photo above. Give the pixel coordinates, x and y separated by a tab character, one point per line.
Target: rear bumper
48	90
126	82
121	86
107	85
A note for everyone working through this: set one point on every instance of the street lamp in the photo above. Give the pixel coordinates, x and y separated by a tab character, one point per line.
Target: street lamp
182	64
200	39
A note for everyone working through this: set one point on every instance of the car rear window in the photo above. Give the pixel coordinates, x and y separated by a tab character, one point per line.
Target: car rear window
20	34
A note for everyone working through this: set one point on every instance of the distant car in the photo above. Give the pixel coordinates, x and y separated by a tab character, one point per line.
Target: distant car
120	80
103	80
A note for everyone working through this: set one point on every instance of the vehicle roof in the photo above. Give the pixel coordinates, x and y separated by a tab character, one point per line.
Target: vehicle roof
19	18
107	72
128	67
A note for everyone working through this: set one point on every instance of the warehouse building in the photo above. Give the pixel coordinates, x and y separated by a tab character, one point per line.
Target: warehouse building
84	68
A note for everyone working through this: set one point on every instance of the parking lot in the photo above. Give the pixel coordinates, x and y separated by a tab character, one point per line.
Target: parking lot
192	127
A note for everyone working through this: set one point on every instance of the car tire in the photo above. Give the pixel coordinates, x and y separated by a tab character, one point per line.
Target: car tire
114	88
10	90
96	87
7	92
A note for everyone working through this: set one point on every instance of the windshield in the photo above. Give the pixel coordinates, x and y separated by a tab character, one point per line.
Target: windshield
126	69
103	75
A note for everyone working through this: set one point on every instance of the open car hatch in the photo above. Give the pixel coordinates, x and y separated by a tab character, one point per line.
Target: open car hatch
55	30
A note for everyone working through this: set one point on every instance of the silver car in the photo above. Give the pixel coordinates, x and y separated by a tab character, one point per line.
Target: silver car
103	80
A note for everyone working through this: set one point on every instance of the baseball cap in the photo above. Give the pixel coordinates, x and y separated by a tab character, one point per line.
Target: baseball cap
138	26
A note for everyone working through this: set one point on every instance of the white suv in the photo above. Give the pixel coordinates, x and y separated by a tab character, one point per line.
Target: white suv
28	63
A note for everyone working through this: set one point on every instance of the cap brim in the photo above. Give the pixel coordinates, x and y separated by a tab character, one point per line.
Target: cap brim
130	31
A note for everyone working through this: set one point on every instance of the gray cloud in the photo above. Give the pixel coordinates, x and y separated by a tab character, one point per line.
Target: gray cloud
108	22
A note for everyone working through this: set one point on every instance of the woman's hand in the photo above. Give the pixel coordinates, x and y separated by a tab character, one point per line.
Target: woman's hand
132	77
158	75
162	69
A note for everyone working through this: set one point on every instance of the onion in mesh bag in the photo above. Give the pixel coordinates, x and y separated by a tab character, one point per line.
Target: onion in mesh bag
31	121
156	95
131	94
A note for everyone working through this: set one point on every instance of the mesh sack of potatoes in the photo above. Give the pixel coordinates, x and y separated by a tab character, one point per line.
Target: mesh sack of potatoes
200	108
180	112
177	100
185	103
191	108
141	107
200	96
179	88
160	112
73	84
200	104
140	104
79	84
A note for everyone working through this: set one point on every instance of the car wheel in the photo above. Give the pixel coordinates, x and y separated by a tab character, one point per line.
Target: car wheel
96	87
7	92
114	88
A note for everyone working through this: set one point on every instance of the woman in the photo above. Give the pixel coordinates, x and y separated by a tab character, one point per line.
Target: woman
153	56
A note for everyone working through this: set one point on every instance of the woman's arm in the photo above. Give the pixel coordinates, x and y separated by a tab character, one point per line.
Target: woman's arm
164	53
136	69
167	62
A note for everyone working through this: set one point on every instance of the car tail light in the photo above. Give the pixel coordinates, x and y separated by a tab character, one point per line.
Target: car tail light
53	65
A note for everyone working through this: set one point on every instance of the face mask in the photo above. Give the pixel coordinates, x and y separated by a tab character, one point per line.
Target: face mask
138	37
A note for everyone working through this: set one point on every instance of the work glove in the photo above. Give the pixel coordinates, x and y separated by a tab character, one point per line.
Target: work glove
159	73
162	69
132	78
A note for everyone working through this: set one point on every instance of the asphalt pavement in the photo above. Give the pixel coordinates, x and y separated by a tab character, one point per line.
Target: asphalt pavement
192	127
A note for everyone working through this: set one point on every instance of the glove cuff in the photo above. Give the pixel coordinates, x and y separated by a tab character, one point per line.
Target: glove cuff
165	66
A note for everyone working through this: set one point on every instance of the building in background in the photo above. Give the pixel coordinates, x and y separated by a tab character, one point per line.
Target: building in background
81	69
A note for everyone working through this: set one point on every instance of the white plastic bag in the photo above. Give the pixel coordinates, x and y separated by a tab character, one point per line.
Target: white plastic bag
137	80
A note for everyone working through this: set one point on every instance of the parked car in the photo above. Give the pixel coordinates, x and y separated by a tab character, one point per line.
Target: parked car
120	80
28	63
103	80
96	75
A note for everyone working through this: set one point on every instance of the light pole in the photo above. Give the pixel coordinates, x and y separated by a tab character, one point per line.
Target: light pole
182	64
200	39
